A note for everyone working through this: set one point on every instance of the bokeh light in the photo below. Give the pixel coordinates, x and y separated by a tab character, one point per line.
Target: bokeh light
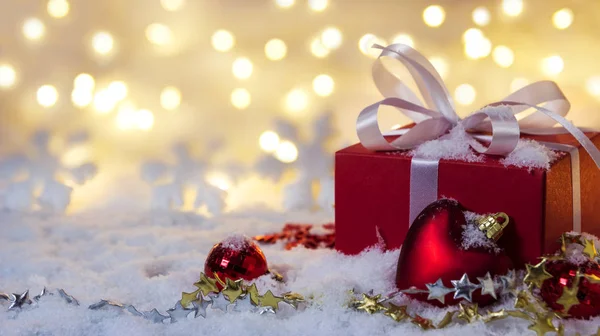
240	98
366	42
117	90
465	94
104	101
404	39
170	98
318	49
222	40
84	82
472	34
478	48
323	85
103	43
269	141
296	100
481	16
33	29
8	76
318	5
434	16
158	34
440	65
563	18
219	180
242	68
275	49
552	65
81	97
172	5
518	83
58	8
286	152
144	119
285	3
592	85
503	56
512	7
331	37
47	95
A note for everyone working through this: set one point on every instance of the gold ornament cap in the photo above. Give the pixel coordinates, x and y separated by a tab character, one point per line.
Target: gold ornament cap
493	225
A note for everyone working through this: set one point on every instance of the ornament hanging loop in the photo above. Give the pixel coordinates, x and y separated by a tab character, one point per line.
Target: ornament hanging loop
493	225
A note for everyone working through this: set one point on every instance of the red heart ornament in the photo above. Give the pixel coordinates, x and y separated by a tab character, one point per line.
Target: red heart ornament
432	250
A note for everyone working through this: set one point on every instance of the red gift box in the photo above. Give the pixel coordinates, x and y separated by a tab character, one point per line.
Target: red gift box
372	195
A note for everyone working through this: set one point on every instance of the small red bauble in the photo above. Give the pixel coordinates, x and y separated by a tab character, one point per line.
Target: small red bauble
237	257
563	274
432	250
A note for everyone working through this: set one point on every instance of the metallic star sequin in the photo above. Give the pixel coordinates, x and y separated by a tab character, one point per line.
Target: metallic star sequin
70	299
536	275
487	285
154	316
200	306
464	288
18	300
370	304
178	312
437	291
396	313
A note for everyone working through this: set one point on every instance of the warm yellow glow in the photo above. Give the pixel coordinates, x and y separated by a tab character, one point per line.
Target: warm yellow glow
242	68
472	34
318	5
103	43
268	141
286	152
465	94
552	65
219	180
76	155
512	7
367	41
434	16
8	76
404	39
518	83
81	97
240	98
296	100
47	95
172	5
323	85
318	49
33	29
222	40
275	49
170	98
159	34
126	116
104	101
331	38
592	86
84	82
58	8
440	65
479	48
118	90
563	18
144	120
481	16
285	3
503	56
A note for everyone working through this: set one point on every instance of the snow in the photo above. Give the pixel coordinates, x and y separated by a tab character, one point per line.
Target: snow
530	154
236	242
148	258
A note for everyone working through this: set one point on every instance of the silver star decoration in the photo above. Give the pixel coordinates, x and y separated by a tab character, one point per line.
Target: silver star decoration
70	299
219	302
178	312
487	285
267	309
200	306
509	281
155	316
414	290
4	296
244	305
133	310
18	300
44	292
104	303
464	288
437	291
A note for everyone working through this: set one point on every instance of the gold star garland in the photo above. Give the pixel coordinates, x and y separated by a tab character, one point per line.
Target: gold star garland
527	306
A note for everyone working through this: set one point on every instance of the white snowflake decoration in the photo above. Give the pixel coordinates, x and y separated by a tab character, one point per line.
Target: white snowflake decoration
42	187
313	165
187	172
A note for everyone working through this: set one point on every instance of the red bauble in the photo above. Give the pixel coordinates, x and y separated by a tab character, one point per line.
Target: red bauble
563	274
236	257
432	250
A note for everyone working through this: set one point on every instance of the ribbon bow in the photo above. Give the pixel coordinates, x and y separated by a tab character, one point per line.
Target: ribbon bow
438	116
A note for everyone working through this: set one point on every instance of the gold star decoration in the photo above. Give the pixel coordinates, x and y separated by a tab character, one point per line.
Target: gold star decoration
422	322
270	300
494	316
446	320
523	302
188	298
254	296
293	299
233	289
370	304
589	249
396	313
542	324
568	297
563	245
592	278
207	285
469	313
536	275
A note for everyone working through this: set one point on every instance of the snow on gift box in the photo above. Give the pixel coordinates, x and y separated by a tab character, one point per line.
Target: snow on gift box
546	178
